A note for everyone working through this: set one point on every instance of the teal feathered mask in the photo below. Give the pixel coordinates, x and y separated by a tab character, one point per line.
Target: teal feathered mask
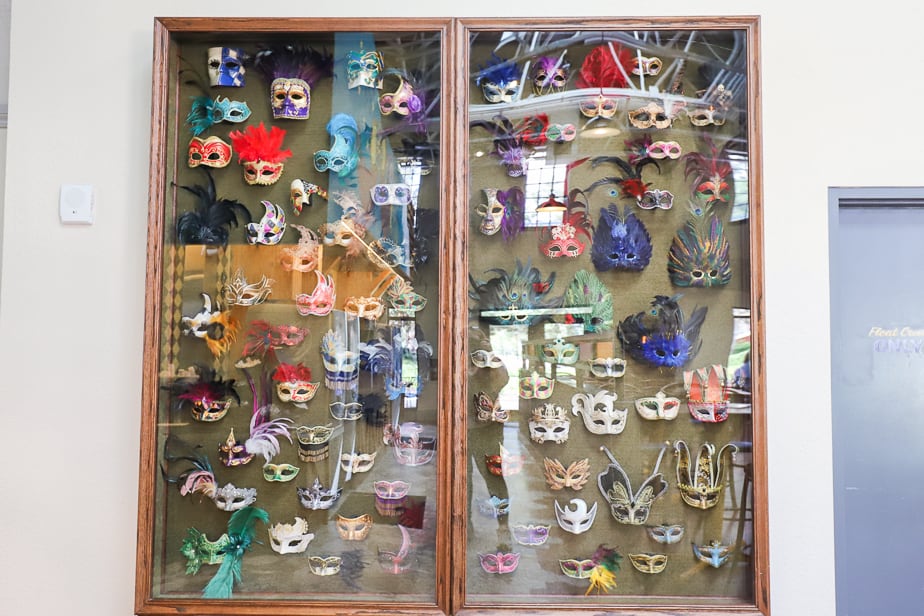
240	537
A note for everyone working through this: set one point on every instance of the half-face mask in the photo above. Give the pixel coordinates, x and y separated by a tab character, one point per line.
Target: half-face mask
578	569
260	153
210	396
226	66
409	447
205	113
665	533
199	551
304	256
706	116
531	534
264	338
232	452
707	393
574	476
698	256
390	497
499	562
509	145
343	155
231	498
364	69
563	241
664	149
577	520
505	464
711	173
320	301
656	199
209	152
270	229
341	367
599	107
646	66
391	194
354	529
341	232
402	101
647	562
217	328
369	308
313	442
290	538
486	359
238	293
561	352
608	367
701	483
301	194
599	412
627	506
293	383
536	386
659	406
354	462
549	422
317	497
715	554
561	133
499	80
494	506
549	75
324	565
651	115
489	410
290	98
281	473
403	298
345	411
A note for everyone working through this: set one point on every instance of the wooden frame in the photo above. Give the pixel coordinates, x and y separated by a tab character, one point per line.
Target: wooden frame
455	243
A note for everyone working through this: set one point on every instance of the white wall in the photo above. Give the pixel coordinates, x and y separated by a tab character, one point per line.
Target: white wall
839	88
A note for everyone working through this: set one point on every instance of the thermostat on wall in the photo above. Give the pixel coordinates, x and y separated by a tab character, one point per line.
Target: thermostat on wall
76	204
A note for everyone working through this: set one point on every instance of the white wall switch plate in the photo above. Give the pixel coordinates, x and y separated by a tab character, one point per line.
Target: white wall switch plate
76	204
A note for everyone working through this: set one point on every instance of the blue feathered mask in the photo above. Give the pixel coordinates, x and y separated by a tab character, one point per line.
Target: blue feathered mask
660	336
621	243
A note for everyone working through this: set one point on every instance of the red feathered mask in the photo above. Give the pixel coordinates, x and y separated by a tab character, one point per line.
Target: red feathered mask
601	67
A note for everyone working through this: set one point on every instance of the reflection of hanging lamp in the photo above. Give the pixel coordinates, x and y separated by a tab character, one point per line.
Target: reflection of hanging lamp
551	206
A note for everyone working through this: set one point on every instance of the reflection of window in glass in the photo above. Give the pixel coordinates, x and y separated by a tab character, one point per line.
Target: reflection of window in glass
411	169
542	180
738	159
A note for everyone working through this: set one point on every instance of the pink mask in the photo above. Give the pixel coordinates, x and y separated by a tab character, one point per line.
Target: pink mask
500	562
320	301
402	101
564	242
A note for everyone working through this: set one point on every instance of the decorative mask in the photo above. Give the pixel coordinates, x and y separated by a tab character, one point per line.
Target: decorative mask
390	497
707	393
656	198
711	173
369	308
341	232
343	155
231	498
606	66
489	410
290	538
320	301
302	192
715	554
499	80
232	452
561	352
391	194
354	462
238	293
608	367
494	507
660	336
199	551
664	149
577	520
486	359
561	133
402	297
704	116
402	101
536	386
210	152
646	66
281	473
502	298
701	485
509	145
531	534
575	476
290	98
578	569
630	507
651	115
341	367
588	291
270	229
698	256
291	71
646	562
410	448
364	69
210	395
304	257
217	328
354	529
500	562
505	464
206	112
317	497
345	411
620	242
549	423
313	442
665	533
502	212
599	412
549	75
293	383
563	241
659	406
260	153
226	66
599	107
324	565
